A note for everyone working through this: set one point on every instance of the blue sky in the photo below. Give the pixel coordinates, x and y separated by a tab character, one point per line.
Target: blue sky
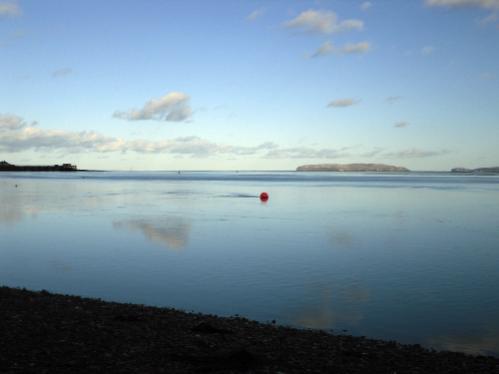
249	85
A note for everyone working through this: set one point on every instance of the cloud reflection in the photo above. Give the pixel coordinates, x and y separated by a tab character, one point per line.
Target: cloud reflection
485	344
334	309
342	239
14	206
172	232
23	199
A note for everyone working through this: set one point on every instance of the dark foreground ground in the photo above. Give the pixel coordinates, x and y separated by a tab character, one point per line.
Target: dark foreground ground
45	333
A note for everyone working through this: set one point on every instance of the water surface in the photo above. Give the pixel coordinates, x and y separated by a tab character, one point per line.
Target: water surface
412	257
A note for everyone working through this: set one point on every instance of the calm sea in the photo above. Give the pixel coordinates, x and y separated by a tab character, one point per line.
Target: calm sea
411	257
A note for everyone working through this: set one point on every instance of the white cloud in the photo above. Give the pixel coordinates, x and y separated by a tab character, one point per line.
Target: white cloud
328	48
9	9
16	135
343	103
323	21
35	138
173	107
30	138
365	6
257	13
62	72
486	4
401	124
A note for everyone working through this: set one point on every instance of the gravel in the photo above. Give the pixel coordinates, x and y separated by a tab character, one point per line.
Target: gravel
42	332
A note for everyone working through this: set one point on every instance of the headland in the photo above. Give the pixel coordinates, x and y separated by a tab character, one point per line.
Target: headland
488	170
5	166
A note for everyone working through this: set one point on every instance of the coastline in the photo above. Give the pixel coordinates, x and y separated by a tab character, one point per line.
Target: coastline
5	166
41	332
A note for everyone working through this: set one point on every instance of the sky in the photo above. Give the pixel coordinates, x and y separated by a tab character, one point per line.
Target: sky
249	85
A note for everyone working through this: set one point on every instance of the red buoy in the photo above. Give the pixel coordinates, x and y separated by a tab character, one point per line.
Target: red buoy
264	196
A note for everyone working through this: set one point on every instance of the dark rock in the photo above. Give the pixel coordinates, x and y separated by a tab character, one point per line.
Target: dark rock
207	328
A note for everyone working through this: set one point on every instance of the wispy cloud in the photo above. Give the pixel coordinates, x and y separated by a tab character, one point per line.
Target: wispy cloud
488	76
415	153
306	153
373	153
12	122
366	5
10	9
328	48
351	48
172	232
401	124
427	50
62	72
485	4
257	13
491	18
322	21
343	103
409	153
393	99
194	146
325	49
10	38
173	107
490	5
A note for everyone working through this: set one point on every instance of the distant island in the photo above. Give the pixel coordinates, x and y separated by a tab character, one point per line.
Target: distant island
5	166
491	170
352	167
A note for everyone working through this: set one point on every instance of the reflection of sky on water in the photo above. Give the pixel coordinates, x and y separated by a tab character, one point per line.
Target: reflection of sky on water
336	308
485	343
172	232
417	265
14	207
342	239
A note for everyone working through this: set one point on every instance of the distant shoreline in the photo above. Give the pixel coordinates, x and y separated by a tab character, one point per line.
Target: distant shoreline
5	166
320	168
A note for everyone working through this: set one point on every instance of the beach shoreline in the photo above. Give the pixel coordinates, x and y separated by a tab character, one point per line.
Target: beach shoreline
41	332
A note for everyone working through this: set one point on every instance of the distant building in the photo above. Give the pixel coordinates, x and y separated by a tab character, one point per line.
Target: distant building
69	167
